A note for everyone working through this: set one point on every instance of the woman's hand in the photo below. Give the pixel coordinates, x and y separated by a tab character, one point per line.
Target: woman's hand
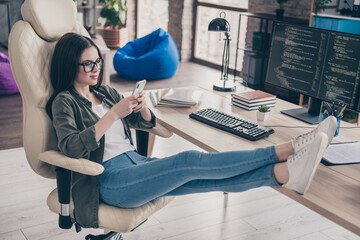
142	108
141	102
125	106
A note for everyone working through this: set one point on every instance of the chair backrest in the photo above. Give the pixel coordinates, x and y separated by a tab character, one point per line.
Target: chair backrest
31	45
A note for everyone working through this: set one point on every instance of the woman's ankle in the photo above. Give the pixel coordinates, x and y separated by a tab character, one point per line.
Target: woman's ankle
283	151
281	173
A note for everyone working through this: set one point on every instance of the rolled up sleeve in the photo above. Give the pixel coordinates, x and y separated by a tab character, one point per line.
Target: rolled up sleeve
136	121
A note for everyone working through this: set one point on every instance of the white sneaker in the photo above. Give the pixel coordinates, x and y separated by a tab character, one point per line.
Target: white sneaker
302	165
327	126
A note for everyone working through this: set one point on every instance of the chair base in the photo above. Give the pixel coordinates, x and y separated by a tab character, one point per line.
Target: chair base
108	236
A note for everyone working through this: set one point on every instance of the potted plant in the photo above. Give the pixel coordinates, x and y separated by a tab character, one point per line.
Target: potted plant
320	5
114	13
280	10
263	113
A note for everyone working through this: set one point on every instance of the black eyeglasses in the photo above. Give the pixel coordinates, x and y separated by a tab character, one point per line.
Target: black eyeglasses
88	66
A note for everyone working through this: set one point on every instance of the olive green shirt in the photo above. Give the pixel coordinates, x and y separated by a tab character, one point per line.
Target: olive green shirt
73	120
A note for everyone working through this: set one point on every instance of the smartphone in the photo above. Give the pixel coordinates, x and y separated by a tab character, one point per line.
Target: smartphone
139	87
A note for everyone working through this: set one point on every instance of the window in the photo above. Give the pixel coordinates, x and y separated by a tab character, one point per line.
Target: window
209	46
228	3
151	16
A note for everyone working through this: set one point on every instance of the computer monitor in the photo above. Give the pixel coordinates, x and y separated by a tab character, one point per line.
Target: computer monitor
322	64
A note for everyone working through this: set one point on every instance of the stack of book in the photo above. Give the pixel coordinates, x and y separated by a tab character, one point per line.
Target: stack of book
175	97
253	100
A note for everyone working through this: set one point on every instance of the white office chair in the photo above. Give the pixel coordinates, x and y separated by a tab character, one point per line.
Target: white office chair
31	44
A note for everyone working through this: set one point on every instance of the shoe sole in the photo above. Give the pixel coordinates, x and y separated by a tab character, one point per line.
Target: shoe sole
323	144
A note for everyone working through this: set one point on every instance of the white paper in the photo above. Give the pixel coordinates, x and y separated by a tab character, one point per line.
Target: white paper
344	153
181	95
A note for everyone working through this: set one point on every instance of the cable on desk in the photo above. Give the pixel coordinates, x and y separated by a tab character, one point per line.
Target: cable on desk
273	126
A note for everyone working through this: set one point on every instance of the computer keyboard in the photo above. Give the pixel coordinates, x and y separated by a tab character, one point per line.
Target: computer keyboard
232	124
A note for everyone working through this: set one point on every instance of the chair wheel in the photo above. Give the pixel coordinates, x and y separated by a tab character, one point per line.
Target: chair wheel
109	236
118	236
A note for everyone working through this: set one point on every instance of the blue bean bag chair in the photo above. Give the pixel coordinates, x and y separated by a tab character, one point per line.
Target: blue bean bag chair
154	56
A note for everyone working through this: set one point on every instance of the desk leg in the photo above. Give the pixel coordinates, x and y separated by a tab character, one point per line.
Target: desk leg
142	142
151	144
301	100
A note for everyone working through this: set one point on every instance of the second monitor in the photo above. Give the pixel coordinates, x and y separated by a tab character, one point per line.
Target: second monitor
322	64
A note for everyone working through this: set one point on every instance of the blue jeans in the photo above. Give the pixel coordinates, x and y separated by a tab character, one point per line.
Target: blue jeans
131	180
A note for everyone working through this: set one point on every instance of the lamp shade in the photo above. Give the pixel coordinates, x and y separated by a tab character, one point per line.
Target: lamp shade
219	25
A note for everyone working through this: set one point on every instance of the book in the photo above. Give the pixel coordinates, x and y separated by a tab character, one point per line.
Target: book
342	153
180	95
258	104
253	100
155	101
175	97
251	107
254	96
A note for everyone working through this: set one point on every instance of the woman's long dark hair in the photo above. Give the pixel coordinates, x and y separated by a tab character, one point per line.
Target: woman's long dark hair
64	64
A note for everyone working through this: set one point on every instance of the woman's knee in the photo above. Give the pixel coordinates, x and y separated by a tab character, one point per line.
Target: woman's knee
192	154
189	157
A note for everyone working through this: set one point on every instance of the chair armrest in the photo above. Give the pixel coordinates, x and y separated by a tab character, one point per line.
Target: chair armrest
158	130
80	165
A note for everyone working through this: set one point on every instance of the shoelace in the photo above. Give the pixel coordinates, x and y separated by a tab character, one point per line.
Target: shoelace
305	137
297	155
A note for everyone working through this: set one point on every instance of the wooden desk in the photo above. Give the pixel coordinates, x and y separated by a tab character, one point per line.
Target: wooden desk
334	192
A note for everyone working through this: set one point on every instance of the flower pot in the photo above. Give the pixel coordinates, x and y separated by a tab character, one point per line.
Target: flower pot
111	37
262	116
115	38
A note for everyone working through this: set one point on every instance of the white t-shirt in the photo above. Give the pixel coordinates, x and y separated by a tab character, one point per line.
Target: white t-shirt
116	141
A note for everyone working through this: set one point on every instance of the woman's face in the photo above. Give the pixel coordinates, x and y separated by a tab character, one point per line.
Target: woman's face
84	76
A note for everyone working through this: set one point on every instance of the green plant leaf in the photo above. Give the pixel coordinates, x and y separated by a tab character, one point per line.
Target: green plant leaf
114	11
264	108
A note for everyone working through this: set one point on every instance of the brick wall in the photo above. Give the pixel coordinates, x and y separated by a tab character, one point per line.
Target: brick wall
296	9
175	26
187	30
131	18
182	12
293	8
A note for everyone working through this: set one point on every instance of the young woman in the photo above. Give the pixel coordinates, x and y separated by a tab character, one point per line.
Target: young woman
92	121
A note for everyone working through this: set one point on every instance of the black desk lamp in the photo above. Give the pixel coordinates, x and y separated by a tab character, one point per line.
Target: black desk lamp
222	25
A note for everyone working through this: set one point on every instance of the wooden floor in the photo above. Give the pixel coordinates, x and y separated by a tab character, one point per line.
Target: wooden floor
256	214
10	121
261	213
